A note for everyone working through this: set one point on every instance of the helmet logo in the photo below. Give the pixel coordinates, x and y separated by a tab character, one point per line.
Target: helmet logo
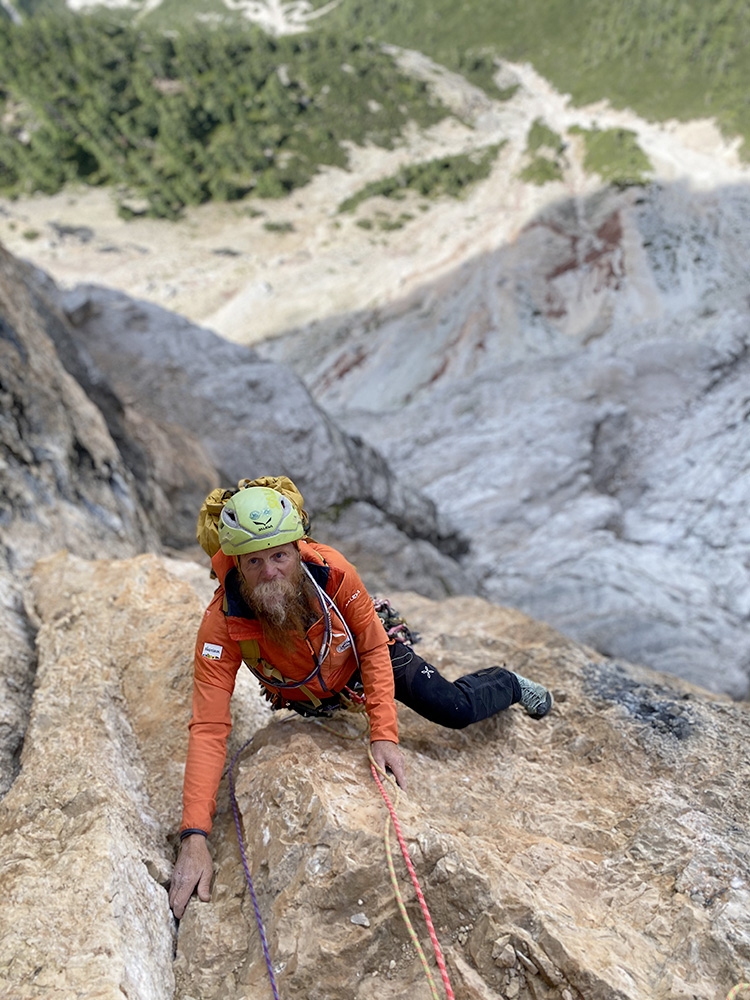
262	518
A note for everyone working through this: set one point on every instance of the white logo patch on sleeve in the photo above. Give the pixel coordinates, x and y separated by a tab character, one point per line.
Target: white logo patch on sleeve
211	651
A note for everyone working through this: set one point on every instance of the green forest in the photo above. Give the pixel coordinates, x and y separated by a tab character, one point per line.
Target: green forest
189	102
180	118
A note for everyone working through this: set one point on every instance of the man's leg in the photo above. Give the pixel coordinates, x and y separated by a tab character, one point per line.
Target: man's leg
457	704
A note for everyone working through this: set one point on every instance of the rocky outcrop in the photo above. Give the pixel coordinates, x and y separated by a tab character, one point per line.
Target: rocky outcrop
598	853
63	482
576	400
252	418
117	419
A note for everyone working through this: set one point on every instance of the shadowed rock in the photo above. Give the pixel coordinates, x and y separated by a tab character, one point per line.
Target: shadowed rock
63	482
256	418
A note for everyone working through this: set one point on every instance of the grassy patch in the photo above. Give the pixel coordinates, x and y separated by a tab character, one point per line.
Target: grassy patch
541	170
663	58
545	148
279	227
542	136
615	155
449	175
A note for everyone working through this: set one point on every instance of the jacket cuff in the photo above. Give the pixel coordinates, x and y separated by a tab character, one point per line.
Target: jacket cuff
190	831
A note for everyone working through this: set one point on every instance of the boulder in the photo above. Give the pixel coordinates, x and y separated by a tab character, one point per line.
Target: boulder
597	853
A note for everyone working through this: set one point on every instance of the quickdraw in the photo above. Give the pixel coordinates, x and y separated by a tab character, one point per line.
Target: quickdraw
394	625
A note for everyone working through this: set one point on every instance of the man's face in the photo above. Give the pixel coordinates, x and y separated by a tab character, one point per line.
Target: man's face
280	562
272	585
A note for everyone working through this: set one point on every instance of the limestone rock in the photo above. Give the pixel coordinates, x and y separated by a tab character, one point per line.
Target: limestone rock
62	483
604	846
253	417
87	828
575	400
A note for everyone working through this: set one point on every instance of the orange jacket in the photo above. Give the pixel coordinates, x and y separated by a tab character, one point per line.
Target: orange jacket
218	658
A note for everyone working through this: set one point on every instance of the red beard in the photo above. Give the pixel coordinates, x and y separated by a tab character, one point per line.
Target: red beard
282	606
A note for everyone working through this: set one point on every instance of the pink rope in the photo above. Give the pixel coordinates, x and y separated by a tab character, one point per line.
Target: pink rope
415	881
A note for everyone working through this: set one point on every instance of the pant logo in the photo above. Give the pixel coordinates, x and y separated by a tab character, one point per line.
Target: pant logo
427	672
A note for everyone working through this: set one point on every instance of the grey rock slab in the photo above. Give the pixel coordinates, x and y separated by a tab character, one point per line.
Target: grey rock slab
576	403
251	417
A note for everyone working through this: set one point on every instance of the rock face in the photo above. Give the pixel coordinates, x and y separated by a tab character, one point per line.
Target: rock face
255	418
116	421
599	853
63	482
577	400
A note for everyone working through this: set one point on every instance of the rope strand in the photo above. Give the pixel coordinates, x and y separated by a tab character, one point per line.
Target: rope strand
248	877
402	909
415	882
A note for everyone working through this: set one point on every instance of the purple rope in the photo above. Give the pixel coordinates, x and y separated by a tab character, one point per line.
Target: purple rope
248	877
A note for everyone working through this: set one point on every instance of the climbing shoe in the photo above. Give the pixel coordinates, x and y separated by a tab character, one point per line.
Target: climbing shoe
537	700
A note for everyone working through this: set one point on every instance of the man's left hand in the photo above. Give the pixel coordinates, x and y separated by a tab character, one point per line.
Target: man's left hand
387	755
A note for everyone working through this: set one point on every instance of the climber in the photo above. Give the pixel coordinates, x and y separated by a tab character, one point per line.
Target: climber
287	603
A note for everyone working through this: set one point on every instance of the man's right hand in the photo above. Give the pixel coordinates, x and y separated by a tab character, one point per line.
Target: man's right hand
193	867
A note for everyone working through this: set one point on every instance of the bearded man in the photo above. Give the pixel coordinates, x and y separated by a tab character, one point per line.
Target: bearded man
298	615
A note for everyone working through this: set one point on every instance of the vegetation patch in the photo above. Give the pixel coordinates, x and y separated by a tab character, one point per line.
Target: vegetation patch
662	58
449	175
279	227
541	170
615	155
209	112
546	148
541	136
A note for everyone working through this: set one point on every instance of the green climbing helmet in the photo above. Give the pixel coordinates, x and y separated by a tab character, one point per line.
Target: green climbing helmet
258	518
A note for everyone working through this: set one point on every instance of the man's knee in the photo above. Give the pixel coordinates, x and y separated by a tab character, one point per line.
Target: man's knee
459	717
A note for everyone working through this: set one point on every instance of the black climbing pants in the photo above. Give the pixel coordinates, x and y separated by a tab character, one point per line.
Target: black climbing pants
454	704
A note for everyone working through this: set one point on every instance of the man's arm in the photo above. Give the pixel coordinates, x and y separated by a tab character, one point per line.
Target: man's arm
377	677
217	660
